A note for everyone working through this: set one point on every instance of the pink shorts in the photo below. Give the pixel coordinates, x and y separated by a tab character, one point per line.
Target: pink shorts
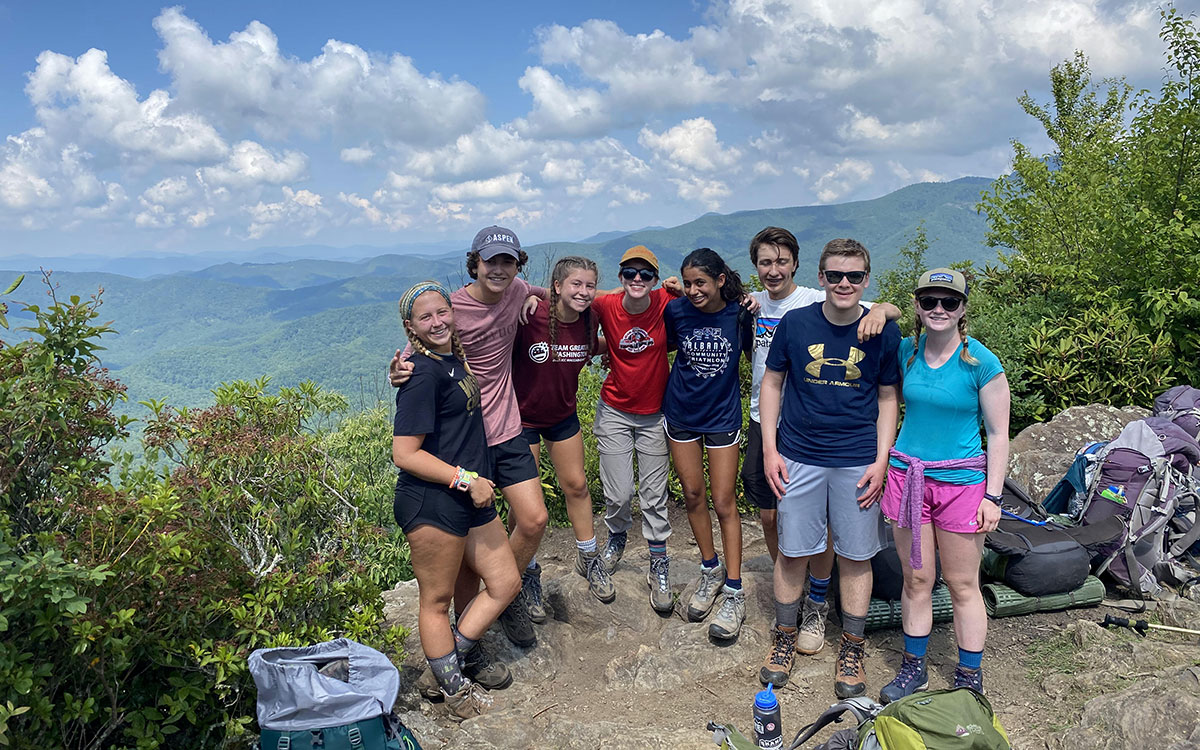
949	507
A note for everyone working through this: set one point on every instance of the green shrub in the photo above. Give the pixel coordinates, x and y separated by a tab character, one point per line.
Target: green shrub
129	608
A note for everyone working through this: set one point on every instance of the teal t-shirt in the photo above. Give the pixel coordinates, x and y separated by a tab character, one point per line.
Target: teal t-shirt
942	415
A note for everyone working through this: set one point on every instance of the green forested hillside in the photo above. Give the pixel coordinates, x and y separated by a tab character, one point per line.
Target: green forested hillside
335	322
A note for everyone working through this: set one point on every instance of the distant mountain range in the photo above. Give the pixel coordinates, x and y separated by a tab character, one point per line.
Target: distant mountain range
182	332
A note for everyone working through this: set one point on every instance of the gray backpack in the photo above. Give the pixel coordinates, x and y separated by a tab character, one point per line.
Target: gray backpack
1145	480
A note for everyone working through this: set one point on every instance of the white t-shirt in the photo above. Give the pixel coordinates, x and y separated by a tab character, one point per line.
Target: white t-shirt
769	315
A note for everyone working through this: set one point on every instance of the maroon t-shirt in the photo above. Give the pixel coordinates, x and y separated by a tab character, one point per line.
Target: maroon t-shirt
546	377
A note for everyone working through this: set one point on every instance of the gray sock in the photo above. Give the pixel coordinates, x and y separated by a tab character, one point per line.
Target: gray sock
447	673
787	614
854	625
462	644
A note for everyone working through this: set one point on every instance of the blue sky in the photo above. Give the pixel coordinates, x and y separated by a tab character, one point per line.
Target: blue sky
140	127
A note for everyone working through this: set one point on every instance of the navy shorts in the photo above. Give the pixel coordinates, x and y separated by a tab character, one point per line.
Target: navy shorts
450	510
711	439
568	428
513	462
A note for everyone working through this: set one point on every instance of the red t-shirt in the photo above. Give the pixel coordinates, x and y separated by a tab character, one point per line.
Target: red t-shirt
546	377
637	350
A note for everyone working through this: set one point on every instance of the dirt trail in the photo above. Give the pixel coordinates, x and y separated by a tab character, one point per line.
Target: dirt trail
620	675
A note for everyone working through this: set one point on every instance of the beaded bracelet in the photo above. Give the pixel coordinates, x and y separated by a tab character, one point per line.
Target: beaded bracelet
462	479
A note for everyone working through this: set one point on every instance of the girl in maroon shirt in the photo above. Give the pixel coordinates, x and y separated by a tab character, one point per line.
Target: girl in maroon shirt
551	349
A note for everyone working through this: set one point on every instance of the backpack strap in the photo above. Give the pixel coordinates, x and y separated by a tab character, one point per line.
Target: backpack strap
861	708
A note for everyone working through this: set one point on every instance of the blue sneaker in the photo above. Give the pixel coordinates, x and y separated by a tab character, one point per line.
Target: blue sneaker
912	677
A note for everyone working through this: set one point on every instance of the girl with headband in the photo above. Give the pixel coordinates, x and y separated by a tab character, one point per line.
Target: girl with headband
444	501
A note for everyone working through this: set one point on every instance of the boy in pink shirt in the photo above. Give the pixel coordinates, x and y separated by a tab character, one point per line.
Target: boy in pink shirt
485	314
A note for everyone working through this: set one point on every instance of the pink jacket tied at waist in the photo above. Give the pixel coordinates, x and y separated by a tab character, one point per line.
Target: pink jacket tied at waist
912	497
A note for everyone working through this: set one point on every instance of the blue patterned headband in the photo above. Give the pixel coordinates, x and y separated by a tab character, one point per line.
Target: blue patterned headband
410	297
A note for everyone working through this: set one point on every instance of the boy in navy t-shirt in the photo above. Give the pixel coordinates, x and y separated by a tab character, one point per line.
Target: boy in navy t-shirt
827	458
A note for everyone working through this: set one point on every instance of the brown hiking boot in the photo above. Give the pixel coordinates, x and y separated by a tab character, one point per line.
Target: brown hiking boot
467	703
850	678
778	666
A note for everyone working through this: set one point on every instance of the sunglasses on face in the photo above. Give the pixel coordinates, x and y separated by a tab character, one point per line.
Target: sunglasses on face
645	274
854	277
949	304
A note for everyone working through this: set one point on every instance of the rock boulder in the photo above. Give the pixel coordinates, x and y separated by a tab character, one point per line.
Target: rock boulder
1042	453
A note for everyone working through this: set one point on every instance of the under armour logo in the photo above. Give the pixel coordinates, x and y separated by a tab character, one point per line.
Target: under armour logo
817	352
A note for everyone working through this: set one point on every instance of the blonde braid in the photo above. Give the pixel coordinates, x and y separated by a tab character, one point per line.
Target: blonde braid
457	347
916	343
962	334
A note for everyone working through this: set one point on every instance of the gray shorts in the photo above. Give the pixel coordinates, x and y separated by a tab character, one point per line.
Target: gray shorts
820	499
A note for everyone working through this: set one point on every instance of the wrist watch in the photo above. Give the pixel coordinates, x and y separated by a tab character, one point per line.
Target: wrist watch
994	498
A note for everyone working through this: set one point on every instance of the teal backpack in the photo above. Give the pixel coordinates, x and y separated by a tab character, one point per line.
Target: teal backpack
956	719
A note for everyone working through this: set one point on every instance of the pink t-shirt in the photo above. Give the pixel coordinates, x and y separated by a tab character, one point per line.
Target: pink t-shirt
487	333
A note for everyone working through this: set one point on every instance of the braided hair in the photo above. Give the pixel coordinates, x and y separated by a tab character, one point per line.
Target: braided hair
966	356
407	301
713	265
563	269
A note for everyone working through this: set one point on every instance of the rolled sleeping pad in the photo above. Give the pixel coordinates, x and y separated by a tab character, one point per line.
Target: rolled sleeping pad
886	614
1002	601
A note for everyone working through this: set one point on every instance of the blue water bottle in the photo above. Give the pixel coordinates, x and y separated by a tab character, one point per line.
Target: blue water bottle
768	732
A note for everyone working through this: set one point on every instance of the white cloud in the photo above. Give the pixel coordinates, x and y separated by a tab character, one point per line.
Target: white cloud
299	209
82	100
563	170
374	215
842	178
514	186
709	193
766	169
692	144
559	110
251	164
914	175
169	191
484	152
249	81
357	155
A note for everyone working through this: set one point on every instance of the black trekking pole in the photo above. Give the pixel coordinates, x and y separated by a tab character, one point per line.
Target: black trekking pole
1141	626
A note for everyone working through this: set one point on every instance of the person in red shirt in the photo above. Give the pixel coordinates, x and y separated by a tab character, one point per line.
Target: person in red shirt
629	417
551	349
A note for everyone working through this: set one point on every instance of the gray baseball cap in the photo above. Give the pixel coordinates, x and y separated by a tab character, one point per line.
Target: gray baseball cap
943	278
492	241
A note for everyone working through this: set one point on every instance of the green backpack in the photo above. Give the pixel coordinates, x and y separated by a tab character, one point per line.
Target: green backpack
956	719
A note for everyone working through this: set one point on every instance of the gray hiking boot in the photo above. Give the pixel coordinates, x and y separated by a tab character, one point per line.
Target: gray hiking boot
971	678
531	585
811	636
479	667
912	677
467	703
600	583
728	621
613	549
659	578
708	585
515	621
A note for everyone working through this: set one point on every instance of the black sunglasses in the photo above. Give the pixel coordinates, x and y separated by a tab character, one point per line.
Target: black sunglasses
949	304
630	273
854	277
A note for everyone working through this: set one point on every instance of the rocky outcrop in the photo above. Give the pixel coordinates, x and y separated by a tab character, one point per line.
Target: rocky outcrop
1042	453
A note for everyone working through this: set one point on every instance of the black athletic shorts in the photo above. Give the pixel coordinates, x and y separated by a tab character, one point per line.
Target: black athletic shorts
417	504
754	479
711	439
568	428
513	461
